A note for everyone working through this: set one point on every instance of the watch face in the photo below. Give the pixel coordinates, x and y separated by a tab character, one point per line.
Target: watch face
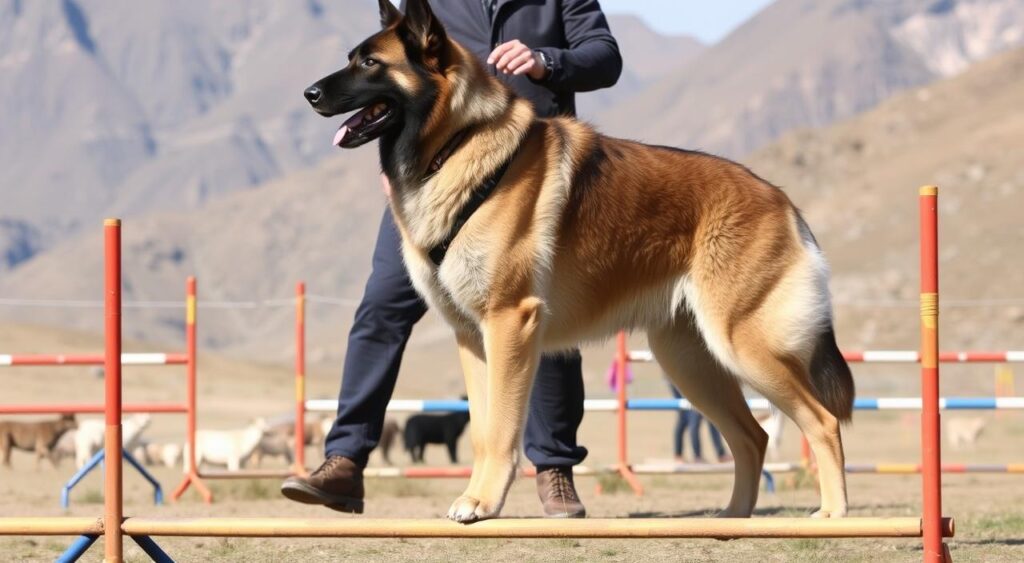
544	60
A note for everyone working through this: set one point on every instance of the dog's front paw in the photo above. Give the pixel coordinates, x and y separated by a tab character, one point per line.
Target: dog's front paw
823	513
466	510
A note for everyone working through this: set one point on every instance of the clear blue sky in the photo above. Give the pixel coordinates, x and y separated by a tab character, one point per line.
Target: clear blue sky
708	20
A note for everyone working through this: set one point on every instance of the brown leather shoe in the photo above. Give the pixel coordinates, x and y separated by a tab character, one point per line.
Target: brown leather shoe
336	484
558	493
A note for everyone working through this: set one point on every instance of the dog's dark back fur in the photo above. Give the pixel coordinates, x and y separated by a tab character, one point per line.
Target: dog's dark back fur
39	437
423	429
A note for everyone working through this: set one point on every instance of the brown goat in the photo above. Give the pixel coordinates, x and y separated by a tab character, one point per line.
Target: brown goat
40	437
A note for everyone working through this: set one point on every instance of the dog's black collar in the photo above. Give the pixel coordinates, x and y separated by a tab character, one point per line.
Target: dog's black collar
446	151
480	195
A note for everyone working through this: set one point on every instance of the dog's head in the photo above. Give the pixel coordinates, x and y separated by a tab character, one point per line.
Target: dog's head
396	75
67	422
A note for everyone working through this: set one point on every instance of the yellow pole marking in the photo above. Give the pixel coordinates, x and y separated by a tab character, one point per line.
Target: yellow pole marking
190	310
930	323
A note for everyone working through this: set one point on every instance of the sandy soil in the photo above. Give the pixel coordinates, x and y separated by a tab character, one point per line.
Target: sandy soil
990	520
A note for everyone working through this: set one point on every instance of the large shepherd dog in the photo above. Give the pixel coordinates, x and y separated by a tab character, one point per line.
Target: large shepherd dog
534	235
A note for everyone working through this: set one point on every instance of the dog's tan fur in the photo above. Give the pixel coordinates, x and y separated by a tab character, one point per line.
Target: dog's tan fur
586	235
39	437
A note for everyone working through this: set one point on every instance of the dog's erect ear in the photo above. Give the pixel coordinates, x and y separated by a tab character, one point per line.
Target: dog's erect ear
426	31
389	14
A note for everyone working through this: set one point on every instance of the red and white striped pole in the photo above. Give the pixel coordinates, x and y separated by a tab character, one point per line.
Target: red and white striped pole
300	379
113	507
931	458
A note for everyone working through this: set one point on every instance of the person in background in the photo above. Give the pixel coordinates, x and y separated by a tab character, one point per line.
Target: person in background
546	51
690	419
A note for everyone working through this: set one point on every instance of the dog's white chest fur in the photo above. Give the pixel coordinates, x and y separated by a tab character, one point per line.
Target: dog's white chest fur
458	289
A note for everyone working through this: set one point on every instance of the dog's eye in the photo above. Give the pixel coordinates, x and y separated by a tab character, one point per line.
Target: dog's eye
368	63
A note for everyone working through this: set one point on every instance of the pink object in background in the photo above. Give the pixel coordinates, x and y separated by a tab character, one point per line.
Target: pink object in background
610	377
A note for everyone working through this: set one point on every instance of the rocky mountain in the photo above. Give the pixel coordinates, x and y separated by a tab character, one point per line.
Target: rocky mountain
237	183
111	106
647	56
808	63
856	182
19	241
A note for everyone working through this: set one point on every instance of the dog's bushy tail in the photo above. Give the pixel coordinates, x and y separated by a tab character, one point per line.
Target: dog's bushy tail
831	377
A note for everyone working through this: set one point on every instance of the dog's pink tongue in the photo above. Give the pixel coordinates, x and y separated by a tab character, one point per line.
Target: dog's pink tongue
350	124
340	135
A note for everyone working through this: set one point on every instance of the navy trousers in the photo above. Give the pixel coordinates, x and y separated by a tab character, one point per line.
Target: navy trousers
692	418
383	324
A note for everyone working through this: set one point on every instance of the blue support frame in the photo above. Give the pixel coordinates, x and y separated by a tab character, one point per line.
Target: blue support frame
77	549
152	549
65	493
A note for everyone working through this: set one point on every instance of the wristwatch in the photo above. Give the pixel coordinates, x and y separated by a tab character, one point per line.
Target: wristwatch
549	65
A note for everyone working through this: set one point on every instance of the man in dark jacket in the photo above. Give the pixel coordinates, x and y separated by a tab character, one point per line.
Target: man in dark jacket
546	51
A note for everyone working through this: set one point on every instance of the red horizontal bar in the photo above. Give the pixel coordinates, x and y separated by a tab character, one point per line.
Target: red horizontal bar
440	472
92	409
973	356
963	356
83	360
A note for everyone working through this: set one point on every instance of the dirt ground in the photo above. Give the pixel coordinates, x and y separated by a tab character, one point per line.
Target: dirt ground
988	508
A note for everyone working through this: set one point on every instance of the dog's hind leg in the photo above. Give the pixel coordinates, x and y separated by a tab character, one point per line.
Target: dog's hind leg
716	393
786	382
786	350
512	348
474	371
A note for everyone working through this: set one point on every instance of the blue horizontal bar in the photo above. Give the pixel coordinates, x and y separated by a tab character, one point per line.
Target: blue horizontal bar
865	404
653	404
669	404
970	403
445	406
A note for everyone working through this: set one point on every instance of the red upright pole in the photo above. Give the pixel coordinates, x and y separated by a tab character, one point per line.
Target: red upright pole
931	457
621	361
114	509
300	379
191	472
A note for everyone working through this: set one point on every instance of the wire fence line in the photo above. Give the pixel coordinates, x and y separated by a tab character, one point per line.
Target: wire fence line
913	303
348	302
84	304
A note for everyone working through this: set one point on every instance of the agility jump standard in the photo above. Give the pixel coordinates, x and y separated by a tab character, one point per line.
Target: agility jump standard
299	465
932	527
131	359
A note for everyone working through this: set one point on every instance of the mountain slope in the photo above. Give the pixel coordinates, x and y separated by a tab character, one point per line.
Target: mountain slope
647	56
856	182
802	63
111	109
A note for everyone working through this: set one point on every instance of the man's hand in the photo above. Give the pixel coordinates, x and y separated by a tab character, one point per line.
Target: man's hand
517	59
